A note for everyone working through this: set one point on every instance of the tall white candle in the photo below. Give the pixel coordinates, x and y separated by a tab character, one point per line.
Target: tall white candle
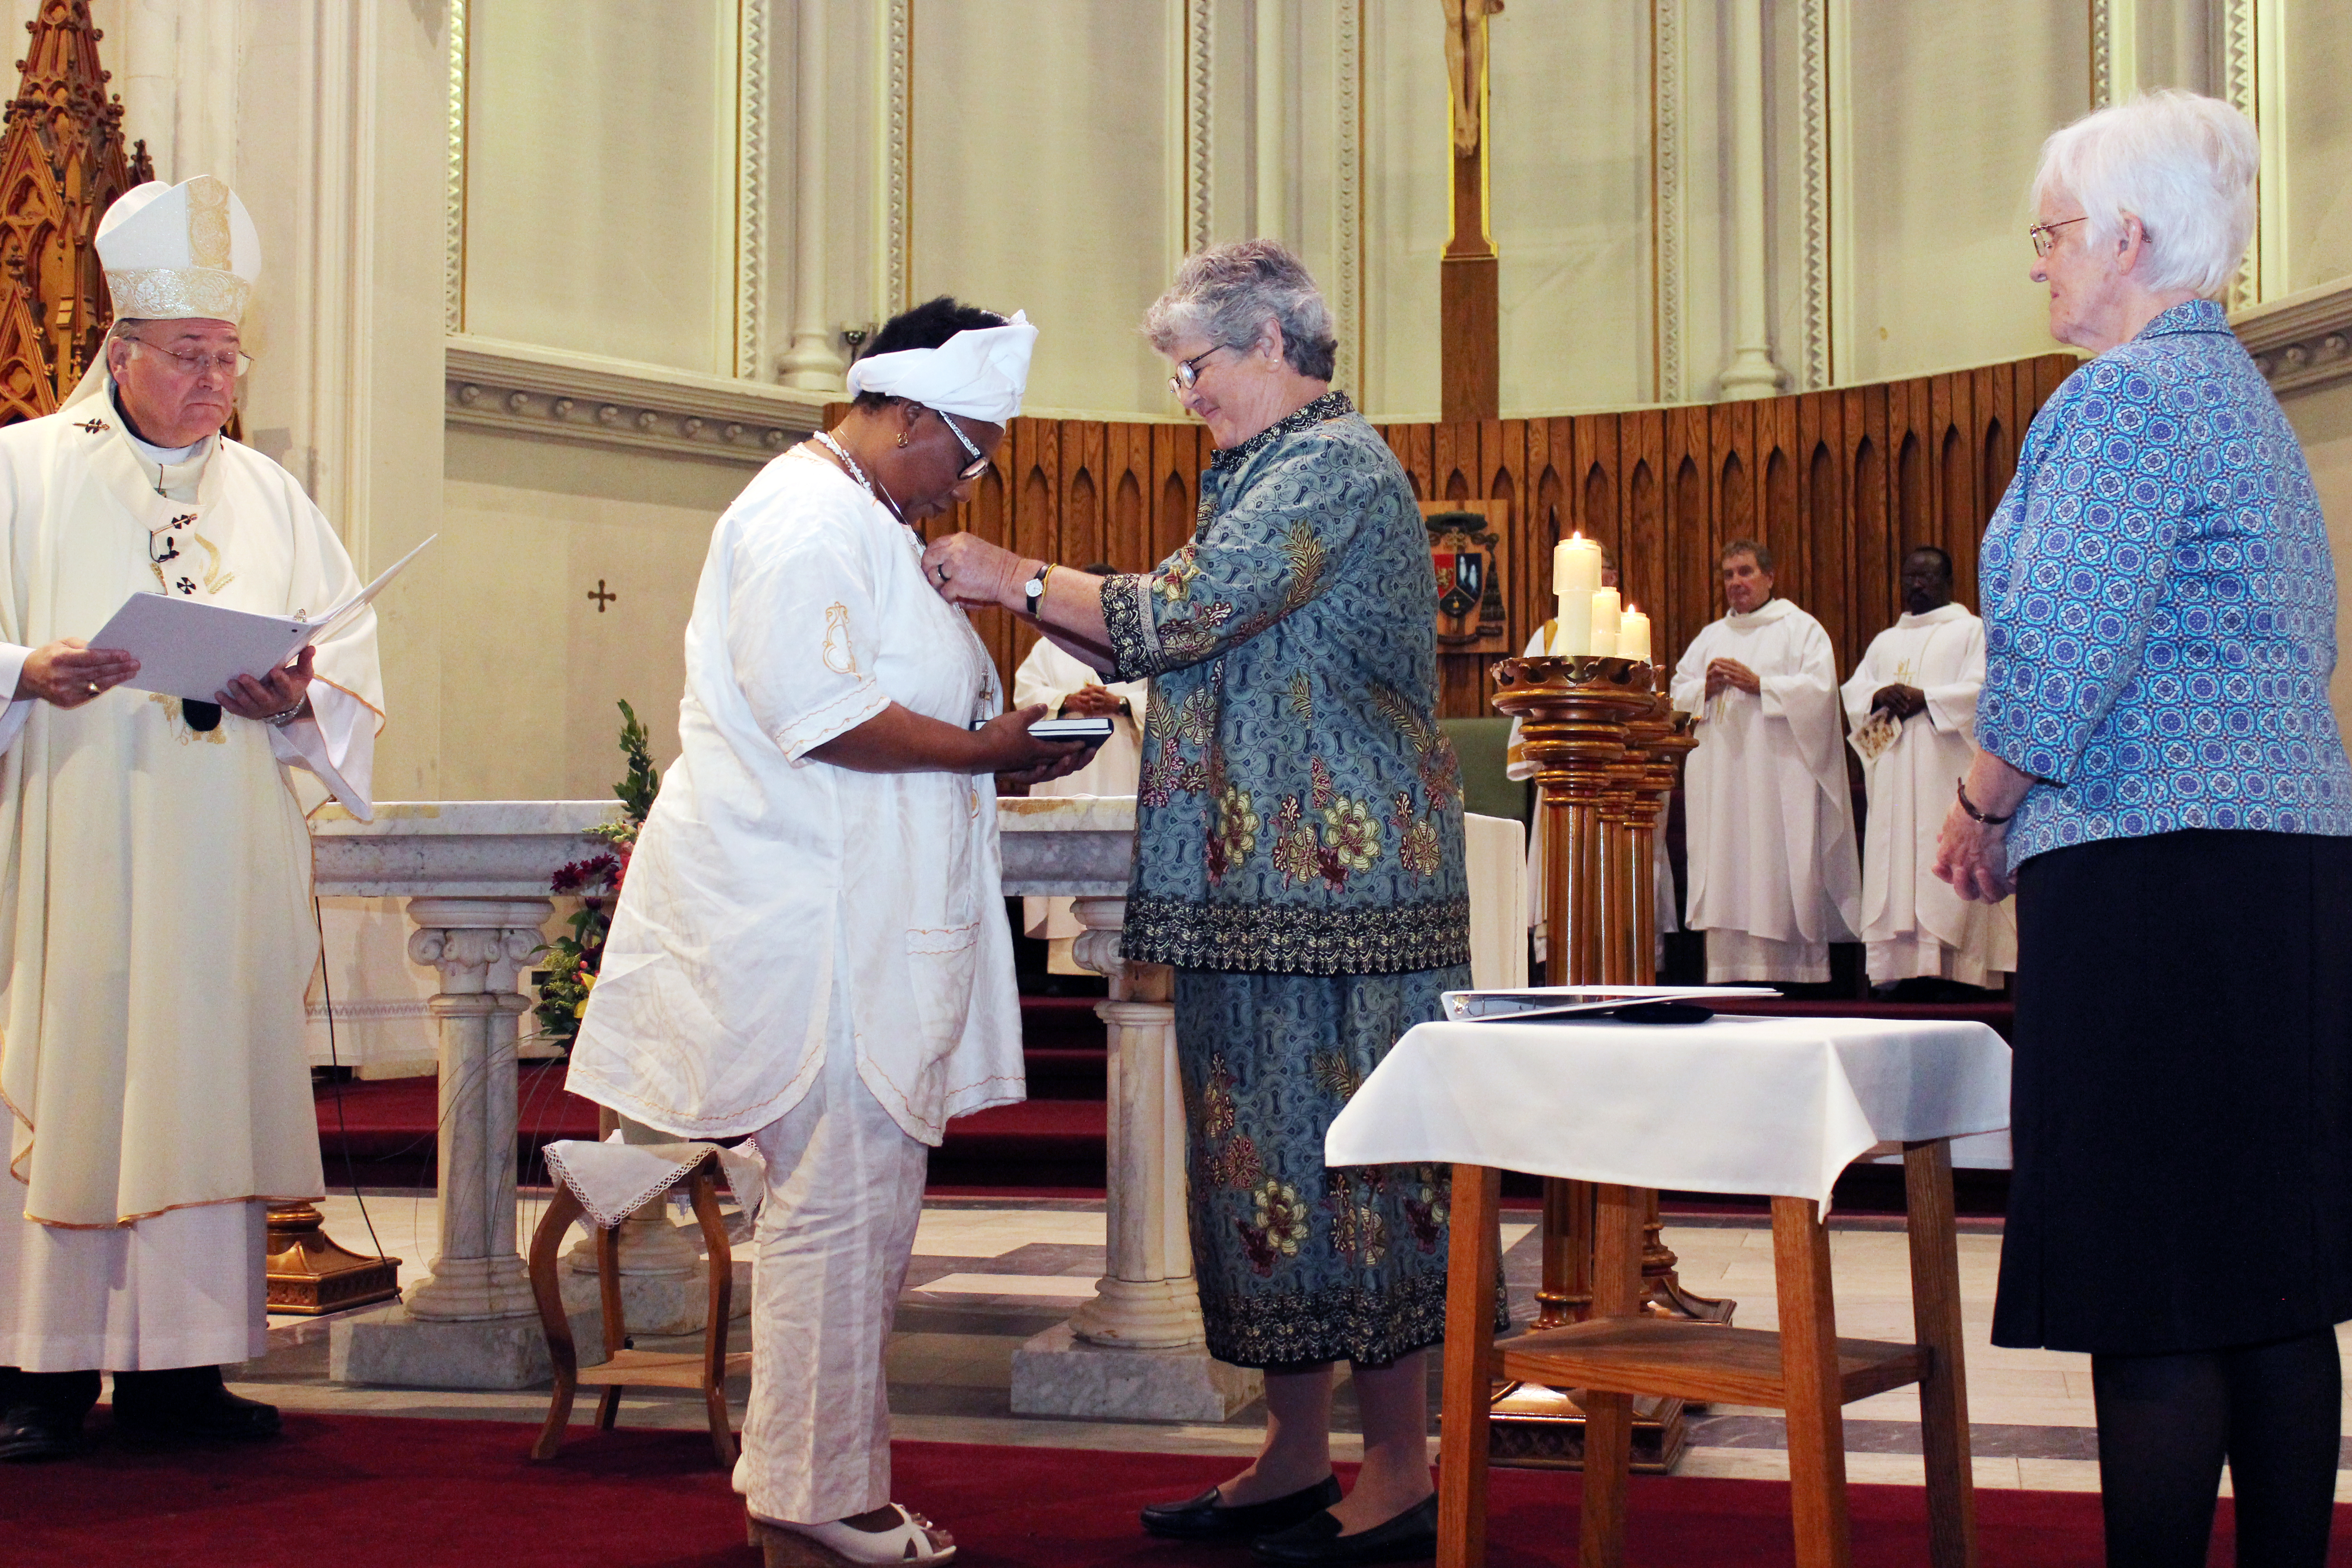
1605	616
1574	634
1576	565
1633	636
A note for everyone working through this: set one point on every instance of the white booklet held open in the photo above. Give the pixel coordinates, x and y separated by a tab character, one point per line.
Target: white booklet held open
194	650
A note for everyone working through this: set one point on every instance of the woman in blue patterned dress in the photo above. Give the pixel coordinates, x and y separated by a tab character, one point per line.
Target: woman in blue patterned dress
1298	861
2163	781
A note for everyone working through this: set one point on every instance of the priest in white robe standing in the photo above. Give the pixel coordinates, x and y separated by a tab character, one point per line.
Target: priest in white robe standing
1769	823
1912	703
1069	688
155	925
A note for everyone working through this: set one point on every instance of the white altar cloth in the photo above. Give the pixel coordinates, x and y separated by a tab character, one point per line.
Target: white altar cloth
1776	1106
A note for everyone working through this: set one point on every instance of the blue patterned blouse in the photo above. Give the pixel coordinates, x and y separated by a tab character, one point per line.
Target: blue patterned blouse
1299	811
2160	605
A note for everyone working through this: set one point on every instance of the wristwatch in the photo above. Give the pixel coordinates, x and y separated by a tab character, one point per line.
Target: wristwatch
1035	589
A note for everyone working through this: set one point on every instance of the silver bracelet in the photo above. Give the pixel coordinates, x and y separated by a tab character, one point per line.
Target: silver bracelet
280	720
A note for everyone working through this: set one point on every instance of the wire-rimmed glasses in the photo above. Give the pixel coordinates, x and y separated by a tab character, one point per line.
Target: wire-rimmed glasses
232	362
1187	371
2045	234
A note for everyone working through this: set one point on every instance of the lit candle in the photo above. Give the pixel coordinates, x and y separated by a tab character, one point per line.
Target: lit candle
1633	636
1576	565
1574	634
1605	618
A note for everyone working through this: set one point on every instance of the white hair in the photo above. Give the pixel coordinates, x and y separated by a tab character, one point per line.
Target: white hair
2184	165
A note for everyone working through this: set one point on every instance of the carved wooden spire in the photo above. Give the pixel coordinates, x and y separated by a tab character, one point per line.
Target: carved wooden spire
61	166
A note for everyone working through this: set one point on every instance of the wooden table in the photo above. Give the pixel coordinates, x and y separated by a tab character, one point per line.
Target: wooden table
1770	1106
1804	1368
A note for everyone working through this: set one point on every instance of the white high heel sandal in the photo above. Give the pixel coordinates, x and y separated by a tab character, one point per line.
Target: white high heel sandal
838	1545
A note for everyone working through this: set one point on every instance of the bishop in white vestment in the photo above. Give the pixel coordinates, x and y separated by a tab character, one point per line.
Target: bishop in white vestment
1769	823
155	923
1070	687
1912	704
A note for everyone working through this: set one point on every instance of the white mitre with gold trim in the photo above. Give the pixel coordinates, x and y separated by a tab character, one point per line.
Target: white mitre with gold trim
172	252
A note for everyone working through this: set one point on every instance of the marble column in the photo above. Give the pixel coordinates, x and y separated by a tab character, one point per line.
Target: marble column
1147	1300
481	946
472	1325
1752	372
812	362
1134	1351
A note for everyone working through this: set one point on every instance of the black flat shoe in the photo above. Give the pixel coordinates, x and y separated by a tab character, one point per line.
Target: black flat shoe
188	1406
1317	1543
31	1433
1202	1517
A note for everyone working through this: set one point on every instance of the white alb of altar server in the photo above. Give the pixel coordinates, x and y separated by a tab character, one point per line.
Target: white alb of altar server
1913	924
1051	675
155	928
1769	821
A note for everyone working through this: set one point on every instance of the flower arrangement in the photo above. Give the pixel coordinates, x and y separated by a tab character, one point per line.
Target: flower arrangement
571	961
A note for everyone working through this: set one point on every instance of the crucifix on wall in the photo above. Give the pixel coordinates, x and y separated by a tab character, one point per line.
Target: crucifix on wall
1470	319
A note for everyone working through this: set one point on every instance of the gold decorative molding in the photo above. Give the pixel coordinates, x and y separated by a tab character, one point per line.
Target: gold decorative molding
523	389
752	122
1813	111
895	185
452	240
1666	195
2302	342
1200	124
2114	51
1348	192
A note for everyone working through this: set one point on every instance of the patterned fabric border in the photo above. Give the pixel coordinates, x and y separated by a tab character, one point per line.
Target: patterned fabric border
1126	615
1278	939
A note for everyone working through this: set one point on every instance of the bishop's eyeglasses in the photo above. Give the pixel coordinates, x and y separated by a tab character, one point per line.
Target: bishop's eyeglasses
231	362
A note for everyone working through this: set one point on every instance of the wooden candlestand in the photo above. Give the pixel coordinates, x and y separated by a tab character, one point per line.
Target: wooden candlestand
1605	742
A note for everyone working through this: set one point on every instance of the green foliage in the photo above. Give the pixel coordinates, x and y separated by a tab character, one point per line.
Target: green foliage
572	962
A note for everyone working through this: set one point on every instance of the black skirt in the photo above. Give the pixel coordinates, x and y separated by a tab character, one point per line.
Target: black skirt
2181	1109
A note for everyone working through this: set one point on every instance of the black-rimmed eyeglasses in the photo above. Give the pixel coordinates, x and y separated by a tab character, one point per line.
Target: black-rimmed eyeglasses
2045	234
1187	371
979	464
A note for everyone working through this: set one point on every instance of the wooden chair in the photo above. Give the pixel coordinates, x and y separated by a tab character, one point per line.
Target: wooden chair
646	1369
1804	1369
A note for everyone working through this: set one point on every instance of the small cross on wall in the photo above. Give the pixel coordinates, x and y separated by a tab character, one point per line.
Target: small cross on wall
601	597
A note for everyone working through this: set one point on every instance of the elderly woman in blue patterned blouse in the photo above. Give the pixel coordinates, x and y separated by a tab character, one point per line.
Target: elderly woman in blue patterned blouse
1298	861
2163	781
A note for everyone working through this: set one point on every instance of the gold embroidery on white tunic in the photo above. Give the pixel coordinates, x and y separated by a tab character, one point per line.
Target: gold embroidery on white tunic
839	656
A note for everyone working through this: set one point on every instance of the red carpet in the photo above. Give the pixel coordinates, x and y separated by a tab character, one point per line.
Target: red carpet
378	1492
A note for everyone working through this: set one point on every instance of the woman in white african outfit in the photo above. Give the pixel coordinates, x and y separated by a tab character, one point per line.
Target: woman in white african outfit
810	946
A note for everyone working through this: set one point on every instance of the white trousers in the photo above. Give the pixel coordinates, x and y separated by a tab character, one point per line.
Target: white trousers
1737	956
182	1287
829	1257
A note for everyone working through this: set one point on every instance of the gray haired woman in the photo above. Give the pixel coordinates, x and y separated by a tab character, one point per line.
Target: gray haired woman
1299	862
2163	782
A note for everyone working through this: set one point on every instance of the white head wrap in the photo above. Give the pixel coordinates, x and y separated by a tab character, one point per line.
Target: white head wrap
979	372
172	252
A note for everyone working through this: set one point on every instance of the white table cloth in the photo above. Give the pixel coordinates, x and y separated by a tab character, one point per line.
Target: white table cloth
613	1180
1774	1106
